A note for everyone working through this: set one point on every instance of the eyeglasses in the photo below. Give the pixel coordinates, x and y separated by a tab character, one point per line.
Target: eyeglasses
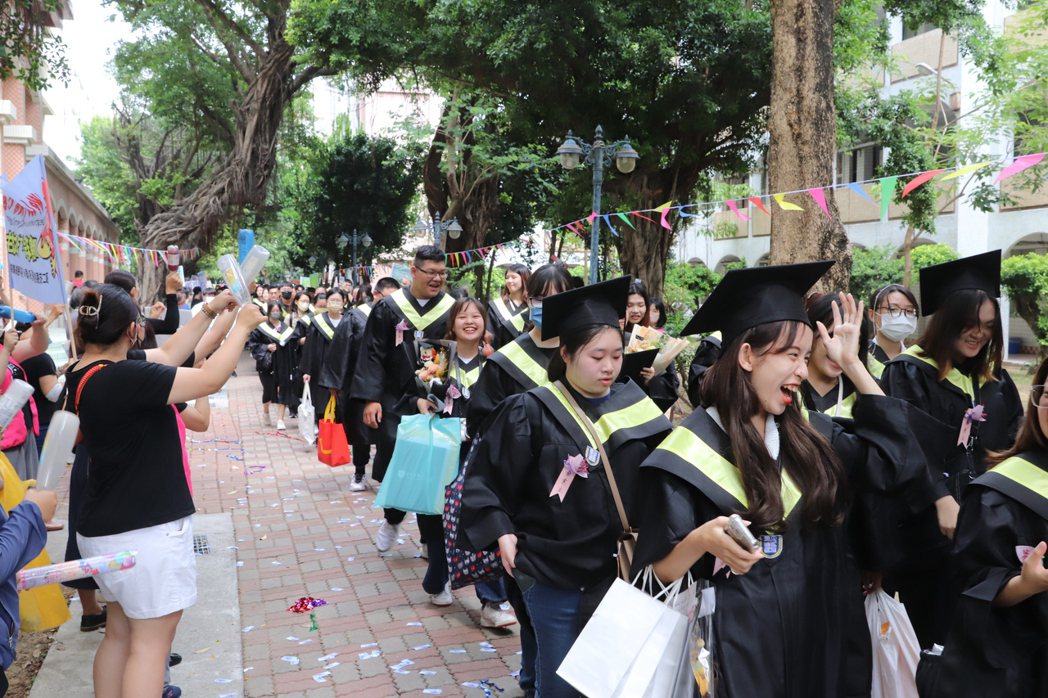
432	274
1037	397
898	312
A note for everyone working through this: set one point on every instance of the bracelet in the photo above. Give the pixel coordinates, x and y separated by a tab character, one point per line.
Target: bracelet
206	309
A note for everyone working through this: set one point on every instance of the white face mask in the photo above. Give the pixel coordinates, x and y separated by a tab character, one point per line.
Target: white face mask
897	328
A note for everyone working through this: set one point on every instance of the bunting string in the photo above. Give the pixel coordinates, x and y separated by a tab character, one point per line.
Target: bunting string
885	188
126	254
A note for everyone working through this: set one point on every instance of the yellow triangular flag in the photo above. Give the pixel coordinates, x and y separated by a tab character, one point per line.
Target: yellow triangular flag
665	206
785	205
967	169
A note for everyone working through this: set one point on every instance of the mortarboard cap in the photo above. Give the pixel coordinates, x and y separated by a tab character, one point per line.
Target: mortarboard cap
596	304
746	298
980	272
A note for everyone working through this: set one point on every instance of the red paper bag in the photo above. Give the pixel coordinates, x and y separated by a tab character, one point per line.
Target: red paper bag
332	447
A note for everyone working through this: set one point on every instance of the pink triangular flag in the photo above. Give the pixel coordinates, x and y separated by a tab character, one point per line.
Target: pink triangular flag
918	181
1019	164
663	220
820	198
735	209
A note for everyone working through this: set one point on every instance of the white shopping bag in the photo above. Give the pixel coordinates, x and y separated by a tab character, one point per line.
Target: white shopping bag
307	427
895	647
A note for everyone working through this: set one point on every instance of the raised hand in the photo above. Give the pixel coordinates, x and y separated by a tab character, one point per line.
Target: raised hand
842	344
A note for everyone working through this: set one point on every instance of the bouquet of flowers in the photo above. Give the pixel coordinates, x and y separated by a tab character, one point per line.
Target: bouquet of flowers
648	338
434	358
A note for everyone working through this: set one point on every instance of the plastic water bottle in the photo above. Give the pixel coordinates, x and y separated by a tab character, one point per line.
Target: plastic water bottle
12	402
234	277
174	257
254	260
58	447
21	316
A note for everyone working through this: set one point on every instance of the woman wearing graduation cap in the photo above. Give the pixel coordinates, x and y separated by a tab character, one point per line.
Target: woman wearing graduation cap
789	620
967	404
539	486
998	645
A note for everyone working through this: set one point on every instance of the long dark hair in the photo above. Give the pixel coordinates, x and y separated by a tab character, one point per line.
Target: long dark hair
1030	437
524	273
457	307
805	454
820	309
104	314
571	341
270	307
661	307
958	312
637	289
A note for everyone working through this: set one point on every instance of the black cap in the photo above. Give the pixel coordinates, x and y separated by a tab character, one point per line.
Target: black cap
597	304
746	298
980	272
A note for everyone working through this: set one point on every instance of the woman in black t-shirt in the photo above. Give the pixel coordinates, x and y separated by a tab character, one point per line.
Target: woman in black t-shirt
137	497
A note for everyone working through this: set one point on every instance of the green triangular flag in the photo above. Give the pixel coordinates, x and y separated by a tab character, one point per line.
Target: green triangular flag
887	192
626	219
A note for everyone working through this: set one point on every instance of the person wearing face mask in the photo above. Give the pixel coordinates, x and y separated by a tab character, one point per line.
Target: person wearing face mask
789	615
287	293
275	350
967	406
521	364
557	535
508	314
337	377
314	352
998	645
893	311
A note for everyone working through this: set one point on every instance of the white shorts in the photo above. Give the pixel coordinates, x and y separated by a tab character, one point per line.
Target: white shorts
163	579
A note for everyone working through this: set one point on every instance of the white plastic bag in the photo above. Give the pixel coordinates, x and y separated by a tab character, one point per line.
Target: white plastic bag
895	647
307	427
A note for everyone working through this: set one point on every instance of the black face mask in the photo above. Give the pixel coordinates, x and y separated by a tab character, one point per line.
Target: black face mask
286	295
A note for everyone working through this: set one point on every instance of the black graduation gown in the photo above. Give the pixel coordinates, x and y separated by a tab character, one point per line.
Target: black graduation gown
827	404
516	367
385	370
505	322
463	377
941	406
339	367
991	651
521	453
319	337
708	351
876	359
284	364
794	626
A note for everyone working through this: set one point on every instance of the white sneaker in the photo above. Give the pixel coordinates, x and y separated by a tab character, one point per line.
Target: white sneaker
493	616
444	598
386	536
280	425
357	485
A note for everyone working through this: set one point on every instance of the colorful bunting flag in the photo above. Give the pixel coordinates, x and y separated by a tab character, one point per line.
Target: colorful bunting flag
756	201
857	188
966	170
735	209
785	205
918	181
819	195
1019	164
887	192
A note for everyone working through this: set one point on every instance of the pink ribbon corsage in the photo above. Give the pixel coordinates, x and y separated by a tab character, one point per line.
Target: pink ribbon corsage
449	398
973	414
573	465
401	328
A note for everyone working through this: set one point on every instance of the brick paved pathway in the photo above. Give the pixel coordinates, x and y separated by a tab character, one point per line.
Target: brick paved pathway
300	532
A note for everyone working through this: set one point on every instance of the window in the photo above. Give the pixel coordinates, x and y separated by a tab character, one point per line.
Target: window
858	164
908	33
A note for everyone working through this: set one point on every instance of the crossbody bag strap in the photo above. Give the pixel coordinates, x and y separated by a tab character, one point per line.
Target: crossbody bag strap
585	421
83	381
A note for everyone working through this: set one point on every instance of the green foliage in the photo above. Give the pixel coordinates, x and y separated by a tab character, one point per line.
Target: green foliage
929	255
29	51
1025	280
103	169
872	269
687	285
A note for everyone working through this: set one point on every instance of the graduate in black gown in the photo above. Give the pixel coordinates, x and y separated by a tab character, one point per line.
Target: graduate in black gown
337	377
389	358
966	405
893	312
827	389
508	313
998	644
521	364
275	350
537	487
789	620
318	338
662	388
708	351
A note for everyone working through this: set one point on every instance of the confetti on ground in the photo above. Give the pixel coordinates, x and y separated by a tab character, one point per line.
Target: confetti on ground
369	655
433	691
293	661
421	647
321	677
248	629
327	657
456	651
223	680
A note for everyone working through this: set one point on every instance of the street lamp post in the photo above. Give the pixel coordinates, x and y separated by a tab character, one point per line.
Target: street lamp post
363	239
439	227
573	151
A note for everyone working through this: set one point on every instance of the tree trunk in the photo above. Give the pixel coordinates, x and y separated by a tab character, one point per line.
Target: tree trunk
802	126
242	179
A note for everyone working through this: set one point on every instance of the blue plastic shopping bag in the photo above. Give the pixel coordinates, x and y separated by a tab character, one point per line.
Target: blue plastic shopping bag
425	461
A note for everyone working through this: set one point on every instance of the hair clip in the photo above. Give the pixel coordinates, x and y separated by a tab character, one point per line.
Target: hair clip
91	310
